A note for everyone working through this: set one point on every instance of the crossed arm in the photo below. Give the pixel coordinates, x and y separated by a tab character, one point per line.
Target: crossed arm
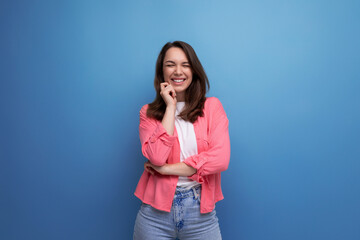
157	141
179	169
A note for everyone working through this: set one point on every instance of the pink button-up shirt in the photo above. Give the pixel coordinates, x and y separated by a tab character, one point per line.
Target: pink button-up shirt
213	143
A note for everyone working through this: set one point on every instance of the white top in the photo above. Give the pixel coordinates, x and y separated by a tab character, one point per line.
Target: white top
188	145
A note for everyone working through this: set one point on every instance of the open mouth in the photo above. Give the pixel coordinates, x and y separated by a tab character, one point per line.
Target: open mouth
178	80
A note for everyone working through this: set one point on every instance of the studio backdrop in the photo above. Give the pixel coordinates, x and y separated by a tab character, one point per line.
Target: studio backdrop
74	75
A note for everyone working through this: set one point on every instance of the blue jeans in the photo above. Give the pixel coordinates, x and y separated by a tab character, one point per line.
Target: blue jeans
183	222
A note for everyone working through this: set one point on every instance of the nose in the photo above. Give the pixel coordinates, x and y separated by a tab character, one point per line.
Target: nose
178	70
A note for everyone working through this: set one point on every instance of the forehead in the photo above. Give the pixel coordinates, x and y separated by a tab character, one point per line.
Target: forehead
175	54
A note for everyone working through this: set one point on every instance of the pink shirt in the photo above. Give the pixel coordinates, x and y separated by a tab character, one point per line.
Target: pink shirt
213	143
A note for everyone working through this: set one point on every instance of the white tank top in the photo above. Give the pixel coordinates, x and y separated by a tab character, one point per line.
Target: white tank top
188	145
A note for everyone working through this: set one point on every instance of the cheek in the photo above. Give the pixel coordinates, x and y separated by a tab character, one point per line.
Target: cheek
189	83
166	71
166	74
189	74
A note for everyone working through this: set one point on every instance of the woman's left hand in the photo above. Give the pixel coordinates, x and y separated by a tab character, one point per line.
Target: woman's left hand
151	168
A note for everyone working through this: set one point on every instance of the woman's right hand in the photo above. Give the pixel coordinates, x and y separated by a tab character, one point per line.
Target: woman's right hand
168	93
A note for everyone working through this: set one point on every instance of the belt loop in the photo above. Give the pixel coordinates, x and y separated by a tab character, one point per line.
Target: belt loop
195	193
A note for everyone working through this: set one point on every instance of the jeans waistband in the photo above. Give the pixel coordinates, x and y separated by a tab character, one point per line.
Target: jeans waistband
188	192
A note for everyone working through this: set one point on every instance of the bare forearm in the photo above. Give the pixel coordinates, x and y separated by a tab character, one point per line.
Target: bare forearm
180	169
168	120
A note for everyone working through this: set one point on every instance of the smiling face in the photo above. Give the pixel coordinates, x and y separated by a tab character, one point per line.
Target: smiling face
177	71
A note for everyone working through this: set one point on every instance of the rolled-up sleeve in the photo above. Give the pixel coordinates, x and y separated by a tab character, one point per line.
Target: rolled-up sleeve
156	143
216	158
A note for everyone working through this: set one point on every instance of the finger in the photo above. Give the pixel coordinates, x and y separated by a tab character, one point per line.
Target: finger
167	90
169	87
173	92
164	85
148	167
150	170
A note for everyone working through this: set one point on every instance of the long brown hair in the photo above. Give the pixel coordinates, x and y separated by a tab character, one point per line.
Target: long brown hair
195	93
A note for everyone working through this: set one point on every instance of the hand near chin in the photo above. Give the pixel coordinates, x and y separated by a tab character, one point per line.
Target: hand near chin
168	93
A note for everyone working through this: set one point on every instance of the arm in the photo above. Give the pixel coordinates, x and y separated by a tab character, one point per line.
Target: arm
156	143
216	158
178	169
169	96
157	138
168	120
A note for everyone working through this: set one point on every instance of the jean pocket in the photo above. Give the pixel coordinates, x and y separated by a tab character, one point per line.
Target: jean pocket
197	199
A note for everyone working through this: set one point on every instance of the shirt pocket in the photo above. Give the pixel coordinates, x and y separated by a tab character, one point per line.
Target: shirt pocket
203	143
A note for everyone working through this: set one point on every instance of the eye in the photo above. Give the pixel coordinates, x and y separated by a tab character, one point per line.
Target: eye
169	65
186	66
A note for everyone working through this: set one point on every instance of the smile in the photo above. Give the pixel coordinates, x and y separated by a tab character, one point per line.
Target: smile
178	80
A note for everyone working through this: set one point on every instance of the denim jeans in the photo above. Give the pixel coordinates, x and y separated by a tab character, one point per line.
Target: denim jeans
183	222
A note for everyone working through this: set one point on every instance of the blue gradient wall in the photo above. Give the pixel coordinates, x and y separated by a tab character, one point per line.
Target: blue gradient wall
74	75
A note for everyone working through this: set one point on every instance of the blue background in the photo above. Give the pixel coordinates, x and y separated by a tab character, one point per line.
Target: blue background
74	75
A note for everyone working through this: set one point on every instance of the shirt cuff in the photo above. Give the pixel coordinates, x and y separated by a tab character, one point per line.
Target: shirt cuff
161	133
197	163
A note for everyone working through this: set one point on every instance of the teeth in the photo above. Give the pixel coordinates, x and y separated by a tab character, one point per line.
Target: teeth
180	80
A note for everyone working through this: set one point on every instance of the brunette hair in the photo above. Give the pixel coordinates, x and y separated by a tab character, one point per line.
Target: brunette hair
195	93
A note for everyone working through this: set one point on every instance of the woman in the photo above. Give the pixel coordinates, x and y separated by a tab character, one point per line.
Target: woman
185	137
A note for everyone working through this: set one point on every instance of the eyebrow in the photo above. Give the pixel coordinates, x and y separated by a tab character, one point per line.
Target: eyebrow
174	62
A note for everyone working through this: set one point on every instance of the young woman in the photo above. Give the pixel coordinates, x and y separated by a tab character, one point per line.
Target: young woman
185	138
